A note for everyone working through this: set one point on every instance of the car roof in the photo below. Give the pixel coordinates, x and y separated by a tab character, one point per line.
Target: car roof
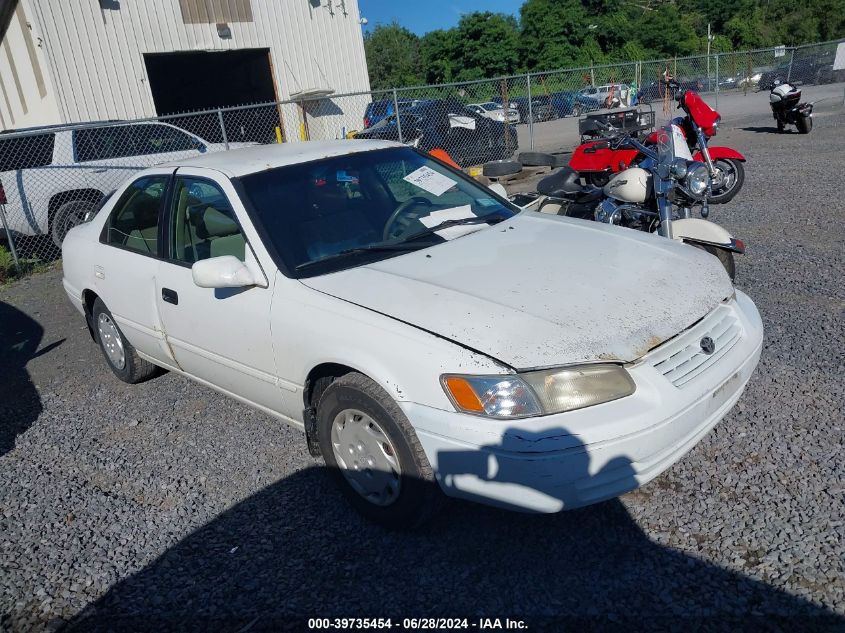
249	160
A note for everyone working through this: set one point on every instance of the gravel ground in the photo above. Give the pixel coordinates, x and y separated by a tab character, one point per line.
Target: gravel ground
166	505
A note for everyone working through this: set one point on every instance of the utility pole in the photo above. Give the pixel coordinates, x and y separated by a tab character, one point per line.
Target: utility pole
708	54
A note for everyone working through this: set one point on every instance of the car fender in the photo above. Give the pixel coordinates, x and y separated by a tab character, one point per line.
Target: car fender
704	232
720	152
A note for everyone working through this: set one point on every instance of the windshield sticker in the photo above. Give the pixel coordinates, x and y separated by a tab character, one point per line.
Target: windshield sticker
487	202
428	179
455	213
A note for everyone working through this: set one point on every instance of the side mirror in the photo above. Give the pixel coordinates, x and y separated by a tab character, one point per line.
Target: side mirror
225	271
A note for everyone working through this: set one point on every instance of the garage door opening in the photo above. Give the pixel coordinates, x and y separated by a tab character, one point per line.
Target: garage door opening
192	81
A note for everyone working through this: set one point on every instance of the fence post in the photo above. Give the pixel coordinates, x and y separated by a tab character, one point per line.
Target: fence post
791	59
530	113
222	128
9	237
716	99
396	112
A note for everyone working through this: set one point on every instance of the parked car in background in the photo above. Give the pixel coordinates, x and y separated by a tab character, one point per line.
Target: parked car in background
603	93
378	110
53	176
816	69
494	111
571	103
468	137
541	108
427	336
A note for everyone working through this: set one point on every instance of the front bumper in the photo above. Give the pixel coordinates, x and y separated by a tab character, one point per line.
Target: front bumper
563	461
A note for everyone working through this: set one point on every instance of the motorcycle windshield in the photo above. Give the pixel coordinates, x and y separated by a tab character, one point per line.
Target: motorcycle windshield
665	150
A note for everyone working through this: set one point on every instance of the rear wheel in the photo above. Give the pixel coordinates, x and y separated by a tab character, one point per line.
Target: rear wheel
730	174
725	257
68	216
804	124
374	454
118	352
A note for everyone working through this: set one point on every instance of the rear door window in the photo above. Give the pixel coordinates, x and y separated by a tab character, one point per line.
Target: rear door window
135	218
103	142
26	152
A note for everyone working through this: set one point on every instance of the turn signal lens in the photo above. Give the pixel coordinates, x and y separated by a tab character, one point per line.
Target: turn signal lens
495	396
538	392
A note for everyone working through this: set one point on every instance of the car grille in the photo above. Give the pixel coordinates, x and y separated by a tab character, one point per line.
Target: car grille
682	359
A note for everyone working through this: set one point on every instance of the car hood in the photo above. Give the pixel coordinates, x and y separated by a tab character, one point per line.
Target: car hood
542	291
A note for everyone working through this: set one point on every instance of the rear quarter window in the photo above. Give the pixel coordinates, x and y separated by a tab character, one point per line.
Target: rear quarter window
26	152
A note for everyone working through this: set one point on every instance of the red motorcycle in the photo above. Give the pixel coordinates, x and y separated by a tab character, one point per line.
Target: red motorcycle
596	161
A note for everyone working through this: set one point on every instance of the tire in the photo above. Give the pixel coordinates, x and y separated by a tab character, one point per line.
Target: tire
407	494
498	168
68	216
133	369
576	111
781	126
537	159
804	124
727	193
725	257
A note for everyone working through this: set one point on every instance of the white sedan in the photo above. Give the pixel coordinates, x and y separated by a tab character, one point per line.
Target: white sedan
426	335
495	112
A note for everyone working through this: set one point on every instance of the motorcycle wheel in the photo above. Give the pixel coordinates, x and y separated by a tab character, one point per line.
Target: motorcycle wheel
733	175
781	126
804	124
726	258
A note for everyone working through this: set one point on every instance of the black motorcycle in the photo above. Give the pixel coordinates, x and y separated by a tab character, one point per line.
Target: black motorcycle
787	108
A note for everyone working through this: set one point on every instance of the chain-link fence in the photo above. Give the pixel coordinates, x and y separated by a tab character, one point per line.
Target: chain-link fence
51	177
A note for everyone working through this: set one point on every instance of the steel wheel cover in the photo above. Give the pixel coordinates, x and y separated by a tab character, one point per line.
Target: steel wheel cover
725	176
111	341
366	457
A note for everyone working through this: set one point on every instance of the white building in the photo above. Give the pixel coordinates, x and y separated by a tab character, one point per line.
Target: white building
67	61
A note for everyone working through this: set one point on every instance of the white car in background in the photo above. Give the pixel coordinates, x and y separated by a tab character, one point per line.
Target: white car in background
425	334
51	177
495	112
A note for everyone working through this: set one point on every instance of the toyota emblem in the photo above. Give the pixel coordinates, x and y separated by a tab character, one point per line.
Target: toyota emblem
708	345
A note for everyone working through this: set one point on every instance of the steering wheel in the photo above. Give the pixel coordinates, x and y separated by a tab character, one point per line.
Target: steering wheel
388	226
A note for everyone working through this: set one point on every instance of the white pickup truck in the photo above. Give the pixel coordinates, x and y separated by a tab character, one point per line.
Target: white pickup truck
50	177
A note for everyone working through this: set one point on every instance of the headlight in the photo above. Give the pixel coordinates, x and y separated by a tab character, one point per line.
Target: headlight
538	392
698	178
680	168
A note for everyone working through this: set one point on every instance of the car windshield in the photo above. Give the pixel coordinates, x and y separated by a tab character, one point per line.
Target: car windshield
349	210
490	106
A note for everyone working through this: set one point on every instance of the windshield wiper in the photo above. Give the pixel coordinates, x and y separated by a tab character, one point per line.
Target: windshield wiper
483	219
406	244
372	248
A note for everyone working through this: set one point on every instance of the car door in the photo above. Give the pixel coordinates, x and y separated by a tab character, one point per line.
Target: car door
218	335
128	259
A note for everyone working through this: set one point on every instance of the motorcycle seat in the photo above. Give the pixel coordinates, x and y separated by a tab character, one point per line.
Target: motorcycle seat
561	184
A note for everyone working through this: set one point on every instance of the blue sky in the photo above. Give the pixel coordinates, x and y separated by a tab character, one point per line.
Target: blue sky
421	16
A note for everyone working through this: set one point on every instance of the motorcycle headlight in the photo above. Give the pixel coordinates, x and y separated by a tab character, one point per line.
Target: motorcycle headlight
715	126
698	178
680	168
538	392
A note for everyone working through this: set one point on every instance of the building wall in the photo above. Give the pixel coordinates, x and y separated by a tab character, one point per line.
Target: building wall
96	47
27	97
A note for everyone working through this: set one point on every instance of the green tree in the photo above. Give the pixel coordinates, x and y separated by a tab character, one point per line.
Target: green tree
393	57
552	32
437	50
488	45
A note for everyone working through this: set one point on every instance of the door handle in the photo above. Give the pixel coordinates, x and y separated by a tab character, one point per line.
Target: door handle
169	296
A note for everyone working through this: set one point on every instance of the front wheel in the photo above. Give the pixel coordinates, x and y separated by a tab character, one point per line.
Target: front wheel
804	124
374	454
576	110
725	257
730	174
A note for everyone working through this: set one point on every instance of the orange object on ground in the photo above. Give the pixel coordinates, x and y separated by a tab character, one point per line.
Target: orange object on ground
441	154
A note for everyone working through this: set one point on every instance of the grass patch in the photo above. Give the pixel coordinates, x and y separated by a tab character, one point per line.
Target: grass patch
9	272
